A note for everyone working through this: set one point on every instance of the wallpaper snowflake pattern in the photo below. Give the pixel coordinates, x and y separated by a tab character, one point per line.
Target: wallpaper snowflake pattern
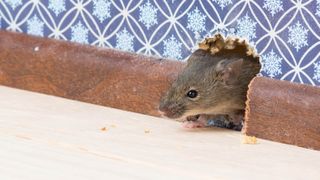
286	33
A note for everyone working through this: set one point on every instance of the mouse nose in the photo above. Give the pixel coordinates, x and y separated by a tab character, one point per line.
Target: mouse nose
167	110
163	108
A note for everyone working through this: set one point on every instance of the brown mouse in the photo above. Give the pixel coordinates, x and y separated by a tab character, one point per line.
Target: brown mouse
214	82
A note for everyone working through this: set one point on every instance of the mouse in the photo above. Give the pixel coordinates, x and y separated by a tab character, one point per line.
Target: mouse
213	83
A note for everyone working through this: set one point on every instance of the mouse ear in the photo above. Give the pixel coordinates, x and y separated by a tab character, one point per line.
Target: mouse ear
230	71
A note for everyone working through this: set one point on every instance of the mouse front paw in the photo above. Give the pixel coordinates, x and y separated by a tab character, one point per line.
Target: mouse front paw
193	124
198	121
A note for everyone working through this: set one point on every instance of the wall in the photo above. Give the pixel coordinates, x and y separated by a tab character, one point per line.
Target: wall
285	33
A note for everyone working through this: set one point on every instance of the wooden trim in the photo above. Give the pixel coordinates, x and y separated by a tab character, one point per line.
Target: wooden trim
95	75
135	83
283	111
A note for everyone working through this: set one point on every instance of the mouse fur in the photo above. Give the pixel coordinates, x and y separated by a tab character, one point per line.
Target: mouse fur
219	71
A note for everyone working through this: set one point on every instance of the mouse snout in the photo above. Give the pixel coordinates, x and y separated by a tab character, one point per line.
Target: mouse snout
170	111
163	107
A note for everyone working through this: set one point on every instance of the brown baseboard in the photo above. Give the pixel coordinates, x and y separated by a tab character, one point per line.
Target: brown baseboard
283	111
276	110
95	75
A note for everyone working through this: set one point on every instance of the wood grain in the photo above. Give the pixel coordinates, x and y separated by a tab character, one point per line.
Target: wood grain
101	76
283	111
46	137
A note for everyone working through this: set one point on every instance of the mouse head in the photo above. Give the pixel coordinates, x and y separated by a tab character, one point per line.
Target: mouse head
202	87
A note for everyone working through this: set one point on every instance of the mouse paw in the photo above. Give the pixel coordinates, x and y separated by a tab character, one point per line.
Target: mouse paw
193	124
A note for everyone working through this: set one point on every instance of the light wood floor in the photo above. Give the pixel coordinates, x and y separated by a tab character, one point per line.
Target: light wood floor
45	137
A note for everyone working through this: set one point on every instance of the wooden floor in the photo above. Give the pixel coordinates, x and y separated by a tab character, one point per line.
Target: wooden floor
45	137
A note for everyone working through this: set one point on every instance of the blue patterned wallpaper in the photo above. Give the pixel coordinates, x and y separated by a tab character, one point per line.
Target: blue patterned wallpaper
286	33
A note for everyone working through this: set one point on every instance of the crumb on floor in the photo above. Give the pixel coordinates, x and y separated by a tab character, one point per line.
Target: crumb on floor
146	131
104	129
249	139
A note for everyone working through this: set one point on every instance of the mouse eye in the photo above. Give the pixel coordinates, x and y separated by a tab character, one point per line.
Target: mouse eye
192	94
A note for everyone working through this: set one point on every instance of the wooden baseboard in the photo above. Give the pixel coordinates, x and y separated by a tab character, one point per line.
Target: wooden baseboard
283	111
95	75
135	83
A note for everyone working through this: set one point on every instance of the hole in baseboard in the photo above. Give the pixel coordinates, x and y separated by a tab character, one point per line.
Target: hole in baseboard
224	52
